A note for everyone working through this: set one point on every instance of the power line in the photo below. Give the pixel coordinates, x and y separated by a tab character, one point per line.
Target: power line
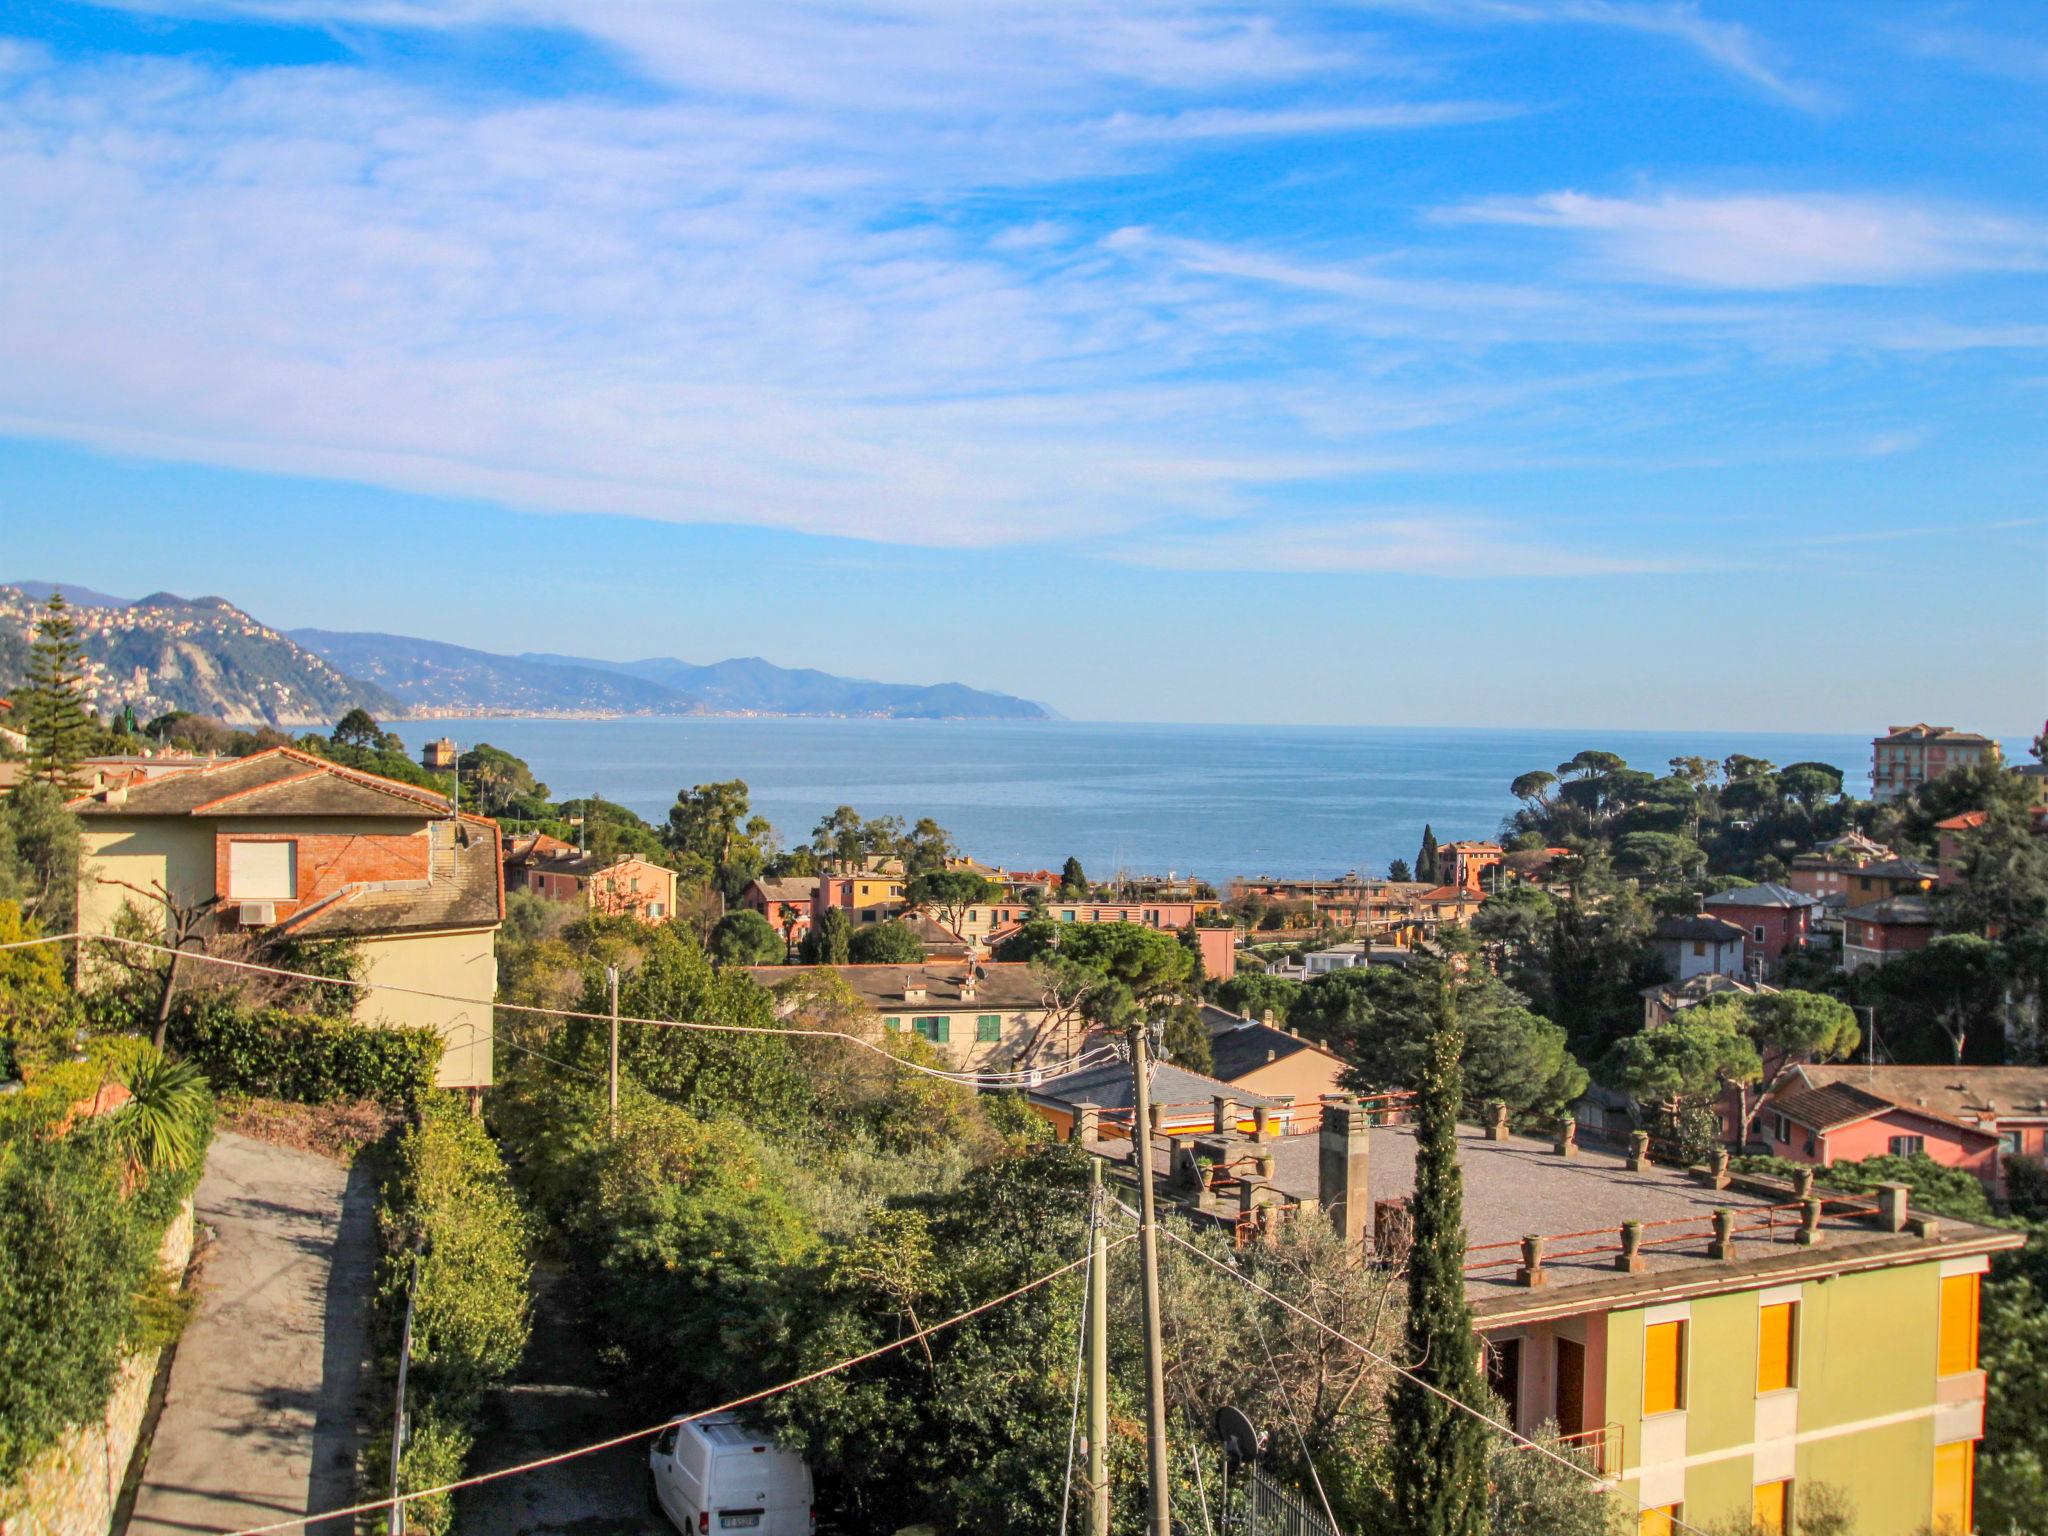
296	1521
1401	1370
1018	1077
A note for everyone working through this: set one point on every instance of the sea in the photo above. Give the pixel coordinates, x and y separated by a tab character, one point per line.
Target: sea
1214	801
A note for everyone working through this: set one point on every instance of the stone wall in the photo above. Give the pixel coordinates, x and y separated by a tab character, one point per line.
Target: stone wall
72	1488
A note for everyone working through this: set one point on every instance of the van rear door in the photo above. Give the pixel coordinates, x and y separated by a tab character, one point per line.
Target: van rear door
761	1493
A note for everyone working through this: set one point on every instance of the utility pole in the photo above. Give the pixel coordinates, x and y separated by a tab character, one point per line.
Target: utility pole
1098	1355
611	976
1160	1520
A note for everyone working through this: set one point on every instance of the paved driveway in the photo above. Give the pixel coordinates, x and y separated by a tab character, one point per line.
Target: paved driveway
560	1397
259	1417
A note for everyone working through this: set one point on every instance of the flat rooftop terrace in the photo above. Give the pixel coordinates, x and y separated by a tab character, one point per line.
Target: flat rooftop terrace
1520	1187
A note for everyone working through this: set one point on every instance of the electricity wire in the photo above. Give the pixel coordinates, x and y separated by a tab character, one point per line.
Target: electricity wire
1017	1077
374	1506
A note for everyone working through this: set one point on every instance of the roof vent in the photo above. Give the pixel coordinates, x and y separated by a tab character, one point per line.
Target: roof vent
914	992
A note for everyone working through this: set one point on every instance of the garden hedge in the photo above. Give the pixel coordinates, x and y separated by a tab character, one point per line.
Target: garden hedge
309	1060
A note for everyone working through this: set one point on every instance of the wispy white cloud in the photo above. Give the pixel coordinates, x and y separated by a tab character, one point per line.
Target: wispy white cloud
1453	544
1239	122
1775	240
1728	45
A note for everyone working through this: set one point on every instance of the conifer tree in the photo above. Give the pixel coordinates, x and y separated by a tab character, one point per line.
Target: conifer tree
1439	1450
1427	865
59	730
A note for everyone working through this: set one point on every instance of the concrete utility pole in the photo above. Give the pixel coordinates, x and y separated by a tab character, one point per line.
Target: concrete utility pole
1160	1520
1098	1355
611	976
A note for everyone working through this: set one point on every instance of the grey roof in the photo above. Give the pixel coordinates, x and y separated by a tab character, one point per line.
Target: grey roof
1957	1093
1900	869
1111	1088
1769	894
1238	1046
1712	930
1912	910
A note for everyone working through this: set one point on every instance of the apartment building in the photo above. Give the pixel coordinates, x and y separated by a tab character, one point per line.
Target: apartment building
1717	1348
1907	756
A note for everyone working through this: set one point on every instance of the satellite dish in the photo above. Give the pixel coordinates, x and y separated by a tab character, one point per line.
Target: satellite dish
1241	1442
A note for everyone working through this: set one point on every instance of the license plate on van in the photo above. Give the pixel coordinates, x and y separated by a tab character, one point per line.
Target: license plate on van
740	1520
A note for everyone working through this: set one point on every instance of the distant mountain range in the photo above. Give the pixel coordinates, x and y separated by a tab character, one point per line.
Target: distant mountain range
165	652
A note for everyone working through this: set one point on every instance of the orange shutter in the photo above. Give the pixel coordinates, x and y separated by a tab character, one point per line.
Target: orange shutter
1663	1366
1662	1521
1954	1473
1774	1346
1773	1504
1958	1325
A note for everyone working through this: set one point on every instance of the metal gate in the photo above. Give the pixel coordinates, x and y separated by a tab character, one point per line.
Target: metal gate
1275	1511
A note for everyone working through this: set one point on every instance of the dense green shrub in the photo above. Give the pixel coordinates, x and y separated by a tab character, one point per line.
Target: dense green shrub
280	1055
448	1199
81	1221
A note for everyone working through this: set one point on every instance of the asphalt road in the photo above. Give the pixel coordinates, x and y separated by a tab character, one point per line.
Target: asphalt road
259	1415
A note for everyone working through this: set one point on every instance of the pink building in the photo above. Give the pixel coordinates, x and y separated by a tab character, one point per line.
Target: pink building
1219	952
1774	919
1977	1118
1842	1123
787	901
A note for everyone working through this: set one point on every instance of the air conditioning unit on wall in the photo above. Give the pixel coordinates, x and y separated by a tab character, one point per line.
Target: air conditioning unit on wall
257	914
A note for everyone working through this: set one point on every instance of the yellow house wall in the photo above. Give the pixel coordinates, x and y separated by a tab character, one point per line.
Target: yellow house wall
464	964
1865	1374
175	854
1303	1076
1018	1026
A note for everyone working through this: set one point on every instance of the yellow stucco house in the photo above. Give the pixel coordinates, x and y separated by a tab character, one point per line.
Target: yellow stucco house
286	843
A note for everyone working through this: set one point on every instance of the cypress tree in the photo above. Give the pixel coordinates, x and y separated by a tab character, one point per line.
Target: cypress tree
1439	1450
1427	865
59	730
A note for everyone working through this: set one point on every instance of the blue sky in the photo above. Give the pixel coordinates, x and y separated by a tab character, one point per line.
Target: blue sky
1516	362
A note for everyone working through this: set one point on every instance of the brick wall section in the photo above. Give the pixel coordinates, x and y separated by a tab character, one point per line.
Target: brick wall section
72	1488
327	862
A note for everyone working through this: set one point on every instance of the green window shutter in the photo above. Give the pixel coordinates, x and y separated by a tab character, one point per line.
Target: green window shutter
893	1025
942	1031
988	1029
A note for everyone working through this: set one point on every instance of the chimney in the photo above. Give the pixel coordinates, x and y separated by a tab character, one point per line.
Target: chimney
1343	1167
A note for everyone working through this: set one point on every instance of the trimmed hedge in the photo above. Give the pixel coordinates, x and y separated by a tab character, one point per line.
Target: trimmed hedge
449	1199
309	1060
80	1228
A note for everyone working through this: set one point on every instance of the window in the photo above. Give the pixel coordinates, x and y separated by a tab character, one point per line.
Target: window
1661	1521
1504	1374
1781	1128
1955	1473
1699	947
2009	1143
1068	915
1776	1332
1757	933
263	871
893	1025
938	1030
1958	1325
1663	1368
988	1029
657	909
1773	1507
1906	1146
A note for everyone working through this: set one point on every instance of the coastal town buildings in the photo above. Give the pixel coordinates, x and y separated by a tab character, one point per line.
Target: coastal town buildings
284	843
1907	756
980	1017
1882	930
616	887
1698	946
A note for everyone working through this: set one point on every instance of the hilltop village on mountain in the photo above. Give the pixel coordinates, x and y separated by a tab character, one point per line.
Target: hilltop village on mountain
1687	1128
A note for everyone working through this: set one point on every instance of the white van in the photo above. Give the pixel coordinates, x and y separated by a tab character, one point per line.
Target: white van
716	1475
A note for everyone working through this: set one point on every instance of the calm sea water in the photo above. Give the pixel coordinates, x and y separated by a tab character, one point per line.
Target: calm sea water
1213	800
